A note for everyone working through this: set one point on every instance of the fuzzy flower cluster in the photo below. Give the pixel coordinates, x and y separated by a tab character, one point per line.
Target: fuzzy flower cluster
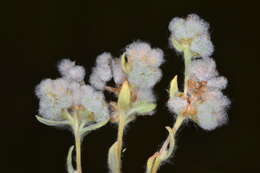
191	32
204	102
101	73
70	93
143	70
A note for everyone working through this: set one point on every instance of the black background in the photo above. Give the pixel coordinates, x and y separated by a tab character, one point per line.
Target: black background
36	35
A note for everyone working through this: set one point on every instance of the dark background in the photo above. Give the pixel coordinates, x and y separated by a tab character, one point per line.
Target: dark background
36	35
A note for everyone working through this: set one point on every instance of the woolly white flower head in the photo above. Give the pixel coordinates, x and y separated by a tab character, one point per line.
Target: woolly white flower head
146	95
202	69
101	73
118	75
96	82
212	112
143	53
205	70
64	65
177	104
54	97
191	32
211	120
94	101
217	82
202	46
70	71
144	62
144	76
188	28
205	93
59	94
76	73
70	94
103	59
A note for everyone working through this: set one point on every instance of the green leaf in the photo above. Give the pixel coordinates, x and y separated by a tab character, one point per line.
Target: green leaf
70	168
141	108
113	160
130	119
125	66
91	127
52	122
150	163
124	98
174	86
177	45
166	154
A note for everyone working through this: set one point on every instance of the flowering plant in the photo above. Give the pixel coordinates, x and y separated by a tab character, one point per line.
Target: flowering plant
69	101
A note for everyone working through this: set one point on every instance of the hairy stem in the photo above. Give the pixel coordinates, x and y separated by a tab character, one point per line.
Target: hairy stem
153	168
157	162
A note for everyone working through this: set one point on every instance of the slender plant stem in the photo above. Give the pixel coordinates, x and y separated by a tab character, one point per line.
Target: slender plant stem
120	140
178	123
180	118
78	145
175	128
78	154
187	61
156	165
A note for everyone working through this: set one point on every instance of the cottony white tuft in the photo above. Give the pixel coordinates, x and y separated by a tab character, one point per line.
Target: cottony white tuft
96	82
191	33
177	104
206	95
218	83
144	64
70	94
76	73
202	69
118	75
54	97
188	28
202	46
102	72
65	65
143	53
212	113
146	95
94	102
70	71
143	76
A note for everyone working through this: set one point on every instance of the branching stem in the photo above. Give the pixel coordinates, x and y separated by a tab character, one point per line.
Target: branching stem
153	168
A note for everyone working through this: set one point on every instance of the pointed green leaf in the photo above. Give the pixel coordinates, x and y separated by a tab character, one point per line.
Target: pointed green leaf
177	45
166	154
130	119
174	86
70	168
113	160
142	108
124	64
51	122
91	127
124	97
